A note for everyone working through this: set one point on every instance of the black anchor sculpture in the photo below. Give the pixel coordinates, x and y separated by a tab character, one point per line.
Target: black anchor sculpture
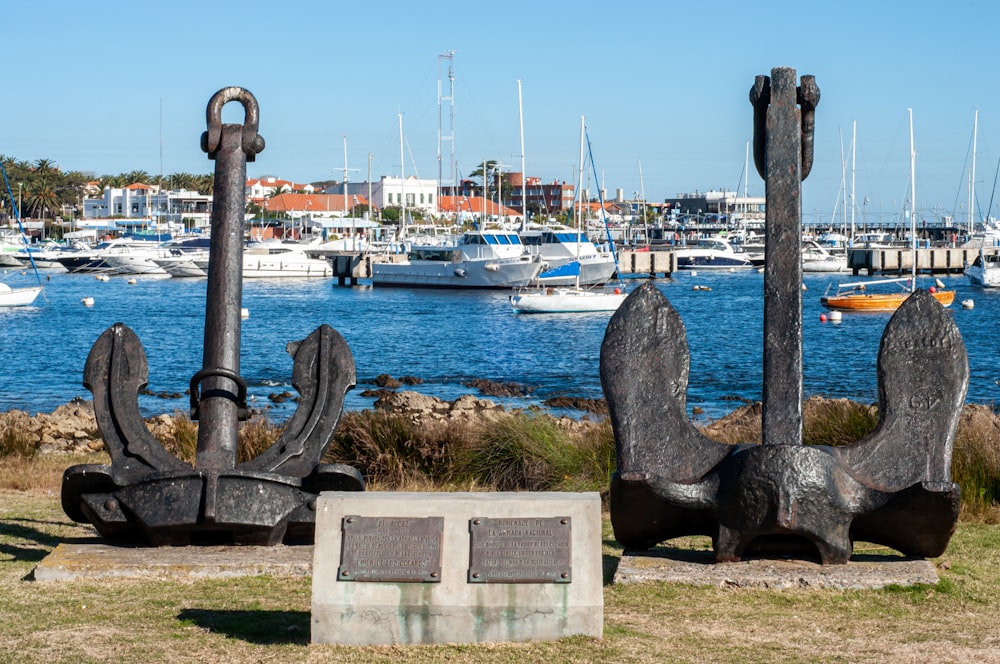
893	487
147	494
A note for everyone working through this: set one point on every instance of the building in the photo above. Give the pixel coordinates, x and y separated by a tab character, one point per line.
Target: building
148	206
720	206
259	189
544	199
313	206
390	191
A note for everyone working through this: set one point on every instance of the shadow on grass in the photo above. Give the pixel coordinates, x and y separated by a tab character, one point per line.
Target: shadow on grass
259	627
25	541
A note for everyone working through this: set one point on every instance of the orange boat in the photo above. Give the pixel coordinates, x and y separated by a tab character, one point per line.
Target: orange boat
857	297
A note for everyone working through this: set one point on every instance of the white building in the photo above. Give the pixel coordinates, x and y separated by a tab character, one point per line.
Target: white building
143	202
390	191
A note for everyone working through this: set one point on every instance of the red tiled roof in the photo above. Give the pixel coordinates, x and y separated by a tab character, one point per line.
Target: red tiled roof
312	202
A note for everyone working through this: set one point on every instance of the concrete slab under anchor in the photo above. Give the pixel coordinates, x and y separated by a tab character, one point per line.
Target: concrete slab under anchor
99	560
698	568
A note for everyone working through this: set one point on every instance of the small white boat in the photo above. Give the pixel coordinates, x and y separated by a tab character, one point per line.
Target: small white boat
985	269
18	297
817	258
552	300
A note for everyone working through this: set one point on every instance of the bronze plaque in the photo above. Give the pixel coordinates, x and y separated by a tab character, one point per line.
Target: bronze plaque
391	549
520	550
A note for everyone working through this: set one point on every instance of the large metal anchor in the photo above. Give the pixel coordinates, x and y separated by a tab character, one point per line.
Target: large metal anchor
147	494
893	487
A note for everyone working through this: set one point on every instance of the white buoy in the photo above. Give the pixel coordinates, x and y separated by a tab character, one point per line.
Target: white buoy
693	273
939	283
102	277
88	301
132	280
968	304
244	313
835	316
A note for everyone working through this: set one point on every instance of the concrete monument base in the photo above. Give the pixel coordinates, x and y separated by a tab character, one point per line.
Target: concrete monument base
422	568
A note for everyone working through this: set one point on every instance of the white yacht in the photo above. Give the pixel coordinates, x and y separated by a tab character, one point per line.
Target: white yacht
712	253
272	259
985	269
477	259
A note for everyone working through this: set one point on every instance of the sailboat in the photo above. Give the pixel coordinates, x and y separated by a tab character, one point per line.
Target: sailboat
570	299
19	297
856	296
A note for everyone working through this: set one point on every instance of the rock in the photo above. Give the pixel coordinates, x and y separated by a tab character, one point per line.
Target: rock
492	388
385	380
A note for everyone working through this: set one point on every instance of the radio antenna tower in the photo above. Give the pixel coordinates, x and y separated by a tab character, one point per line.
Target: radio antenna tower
450	136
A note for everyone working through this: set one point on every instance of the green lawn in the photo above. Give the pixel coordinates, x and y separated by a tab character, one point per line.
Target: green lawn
266	619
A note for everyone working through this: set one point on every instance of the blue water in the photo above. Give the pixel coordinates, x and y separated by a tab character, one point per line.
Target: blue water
446	338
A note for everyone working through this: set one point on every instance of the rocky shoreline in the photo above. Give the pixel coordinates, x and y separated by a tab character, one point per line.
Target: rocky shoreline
72	427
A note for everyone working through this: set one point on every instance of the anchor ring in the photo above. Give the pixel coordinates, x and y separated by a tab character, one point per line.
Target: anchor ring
241	394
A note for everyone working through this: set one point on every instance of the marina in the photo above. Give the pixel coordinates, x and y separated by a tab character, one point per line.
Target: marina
446	338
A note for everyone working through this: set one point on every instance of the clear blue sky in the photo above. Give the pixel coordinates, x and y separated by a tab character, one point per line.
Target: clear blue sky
662	84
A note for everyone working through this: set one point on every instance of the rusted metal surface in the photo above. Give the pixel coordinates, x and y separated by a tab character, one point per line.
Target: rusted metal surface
893	487
147	494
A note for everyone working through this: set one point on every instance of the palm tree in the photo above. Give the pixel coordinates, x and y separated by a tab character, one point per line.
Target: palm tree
138	177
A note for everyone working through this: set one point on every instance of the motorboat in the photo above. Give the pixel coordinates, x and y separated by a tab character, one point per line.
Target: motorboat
477	259
273	259
817	258
132	259
18	297
984	271
568	256
83	258
712	253
552	300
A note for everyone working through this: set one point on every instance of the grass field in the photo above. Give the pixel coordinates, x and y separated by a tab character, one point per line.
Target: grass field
266	619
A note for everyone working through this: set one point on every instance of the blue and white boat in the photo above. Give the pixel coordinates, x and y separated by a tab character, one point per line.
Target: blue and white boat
569	258
712	253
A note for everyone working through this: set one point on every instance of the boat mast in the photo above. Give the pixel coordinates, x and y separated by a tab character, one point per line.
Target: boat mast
854	160
913	206
972	173
402	182
524	186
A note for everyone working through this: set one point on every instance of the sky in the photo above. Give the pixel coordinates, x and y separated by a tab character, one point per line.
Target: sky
115	87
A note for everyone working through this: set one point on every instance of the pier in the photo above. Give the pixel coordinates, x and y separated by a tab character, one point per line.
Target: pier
899	260
652	263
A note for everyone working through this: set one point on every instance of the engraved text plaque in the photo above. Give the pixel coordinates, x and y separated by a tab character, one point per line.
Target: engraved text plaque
520	550
391	549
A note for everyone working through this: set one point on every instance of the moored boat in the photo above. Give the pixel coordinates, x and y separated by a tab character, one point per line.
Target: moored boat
18	297
856	297
984	271
478	259
712	253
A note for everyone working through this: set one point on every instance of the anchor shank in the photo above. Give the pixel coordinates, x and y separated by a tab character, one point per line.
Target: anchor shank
782	388
219	409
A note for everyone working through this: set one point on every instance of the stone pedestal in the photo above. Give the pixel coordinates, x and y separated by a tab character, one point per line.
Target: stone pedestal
416	568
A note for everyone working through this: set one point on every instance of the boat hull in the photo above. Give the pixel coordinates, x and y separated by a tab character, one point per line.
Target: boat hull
19	297
877	302
485	274
566	300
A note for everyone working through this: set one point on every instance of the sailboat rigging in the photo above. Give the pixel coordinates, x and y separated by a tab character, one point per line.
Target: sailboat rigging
572	299
19	297
856	297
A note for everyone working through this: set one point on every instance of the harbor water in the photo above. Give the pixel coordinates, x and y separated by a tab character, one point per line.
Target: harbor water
447	339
